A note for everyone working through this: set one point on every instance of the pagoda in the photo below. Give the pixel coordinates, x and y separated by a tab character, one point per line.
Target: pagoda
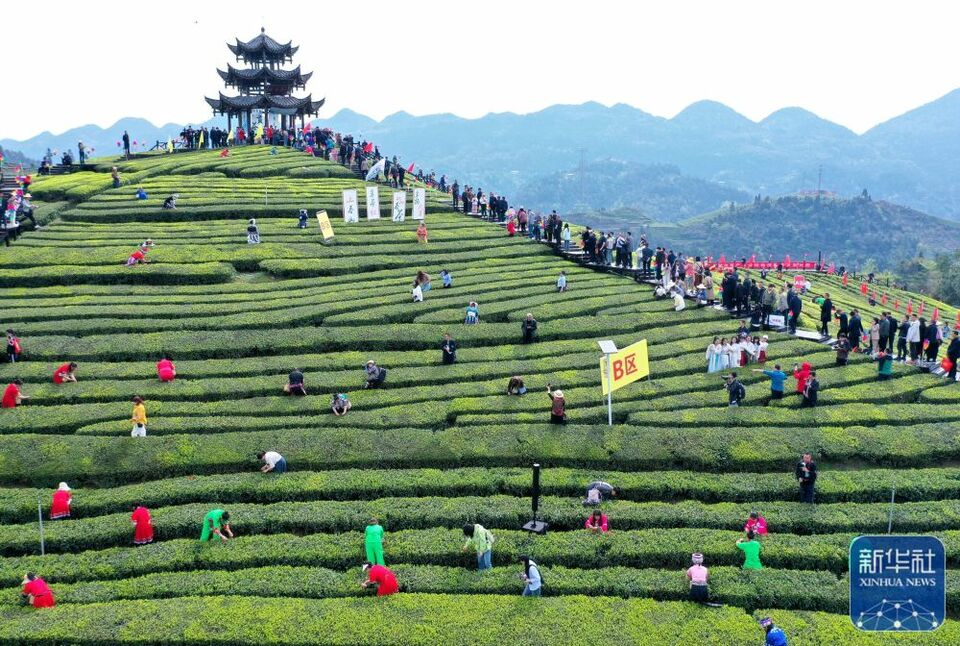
263	85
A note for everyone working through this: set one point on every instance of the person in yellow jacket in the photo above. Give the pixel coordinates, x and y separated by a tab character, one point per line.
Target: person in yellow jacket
139	418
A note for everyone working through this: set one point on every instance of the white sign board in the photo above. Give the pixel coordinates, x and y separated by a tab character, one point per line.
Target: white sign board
351	212
399	206
776	320
373	203
419	203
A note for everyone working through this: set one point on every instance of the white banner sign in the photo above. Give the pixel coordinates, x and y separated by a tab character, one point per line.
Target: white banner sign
419	203
373	203
351	212
399	206
776	320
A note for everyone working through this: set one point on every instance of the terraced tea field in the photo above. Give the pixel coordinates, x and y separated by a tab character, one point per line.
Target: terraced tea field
437	447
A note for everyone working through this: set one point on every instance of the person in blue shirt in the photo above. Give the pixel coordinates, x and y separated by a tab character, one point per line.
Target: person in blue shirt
302	219
775	636
777	379
447	278
141	194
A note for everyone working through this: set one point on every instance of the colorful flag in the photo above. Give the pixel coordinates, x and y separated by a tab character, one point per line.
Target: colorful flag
230	135
410	169
368	148
169	144
200	141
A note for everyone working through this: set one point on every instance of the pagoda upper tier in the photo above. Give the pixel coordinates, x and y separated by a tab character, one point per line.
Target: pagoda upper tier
272	80
263	50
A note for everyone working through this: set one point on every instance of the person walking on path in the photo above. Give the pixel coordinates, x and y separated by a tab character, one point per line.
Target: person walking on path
382	577
422	233
903	331
811	391
373	542
806	474
855	330
751	548
481	540
736	391
842	348
13	346
558	409
801	374
826	313
533	581
953	355
36	592
142	525
448	349
777	380
139	418
215	523
272	462
60	506
699	578
529	329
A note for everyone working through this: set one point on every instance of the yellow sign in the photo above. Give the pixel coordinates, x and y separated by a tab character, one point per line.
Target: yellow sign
325	225
626	366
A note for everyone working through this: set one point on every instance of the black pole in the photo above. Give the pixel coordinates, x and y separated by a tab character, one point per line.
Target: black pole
536	490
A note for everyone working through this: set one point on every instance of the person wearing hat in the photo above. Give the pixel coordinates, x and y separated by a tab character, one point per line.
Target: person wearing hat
558	413
382	577
60	507
375	374
775	636
698	576
302	219
138	257
25	210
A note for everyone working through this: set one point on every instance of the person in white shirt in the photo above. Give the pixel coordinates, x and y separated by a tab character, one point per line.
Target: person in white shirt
913	337
272	461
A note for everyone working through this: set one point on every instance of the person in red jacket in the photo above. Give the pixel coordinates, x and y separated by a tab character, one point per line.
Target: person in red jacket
12	396
36	592
143	525
166	371
597	522
802	375
60	508
756	524
382	577
66	372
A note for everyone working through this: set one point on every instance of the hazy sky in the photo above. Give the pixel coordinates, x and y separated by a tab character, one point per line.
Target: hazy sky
855	62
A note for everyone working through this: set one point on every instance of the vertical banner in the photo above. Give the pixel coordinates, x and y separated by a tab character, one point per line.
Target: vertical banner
351	212
399	206
419	203
373	202
325	227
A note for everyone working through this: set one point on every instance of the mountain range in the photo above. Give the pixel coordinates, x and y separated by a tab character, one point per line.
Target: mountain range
911	159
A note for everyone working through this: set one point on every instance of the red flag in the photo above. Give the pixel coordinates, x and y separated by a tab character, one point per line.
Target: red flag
936	314
921	308
410	169
846	279
910	307
957	326
896	305
368	148
884	298
863	288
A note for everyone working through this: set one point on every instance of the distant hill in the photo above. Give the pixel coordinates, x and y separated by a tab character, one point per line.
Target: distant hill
16	157
658	192
911	159
851	231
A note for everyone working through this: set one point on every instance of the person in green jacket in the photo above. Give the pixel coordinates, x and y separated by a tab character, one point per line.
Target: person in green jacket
751	552
215	523
884	366
373	542
481	540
